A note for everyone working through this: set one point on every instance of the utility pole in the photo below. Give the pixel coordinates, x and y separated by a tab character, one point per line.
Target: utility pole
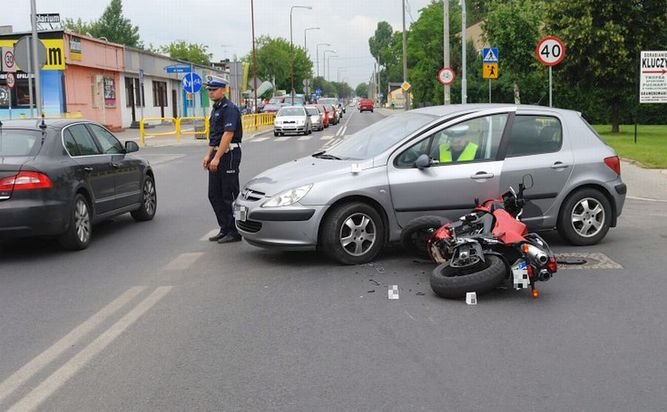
464	83
254	63
406	95
35	64
445	49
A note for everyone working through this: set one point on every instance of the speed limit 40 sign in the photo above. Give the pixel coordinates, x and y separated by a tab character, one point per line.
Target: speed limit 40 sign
550	51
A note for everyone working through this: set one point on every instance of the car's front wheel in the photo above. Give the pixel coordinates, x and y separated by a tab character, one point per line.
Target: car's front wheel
80	227
148	202
352	233
585	217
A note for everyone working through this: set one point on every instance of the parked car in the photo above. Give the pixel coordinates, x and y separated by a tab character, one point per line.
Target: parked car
59	177
352	199
316	117
366	105
332	113
274	104
325	114
292	119
334	103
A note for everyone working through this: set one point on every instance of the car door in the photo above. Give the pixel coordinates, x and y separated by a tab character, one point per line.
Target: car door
448	188
94	167
126	168
536	147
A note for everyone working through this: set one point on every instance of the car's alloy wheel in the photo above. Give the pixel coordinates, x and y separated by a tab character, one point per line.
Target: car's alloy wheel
585	218
79	232
353	233
148	202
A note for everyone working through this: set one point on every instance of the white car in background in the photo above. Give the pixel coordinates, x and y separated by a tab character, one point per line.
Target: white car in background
292	119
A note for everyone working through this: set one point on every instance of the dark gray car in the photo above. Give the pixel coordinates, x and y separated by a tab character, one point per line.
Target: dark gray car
354	198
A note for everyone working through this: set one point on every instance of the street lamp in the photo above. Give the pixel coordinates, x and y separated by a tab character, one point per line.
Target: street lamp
329	61
291	43
324	61
317	56
304	36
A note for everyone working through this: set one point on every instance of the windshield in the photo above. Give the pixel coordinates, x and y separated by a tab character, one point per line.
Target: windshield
380	136
291	111
312	111
19	142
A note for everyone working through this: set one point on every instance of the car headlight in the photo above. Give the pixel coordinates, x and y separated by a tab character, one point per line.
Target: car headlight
288	197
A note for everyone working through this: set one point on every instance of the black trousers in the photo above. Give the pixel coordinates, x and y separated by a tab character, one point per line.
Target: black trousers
223	187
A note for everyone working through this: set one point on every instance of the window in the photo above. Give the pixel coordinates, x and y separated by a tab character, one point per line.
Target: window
84	145
471	140
19	143
534	135
159	94
108	142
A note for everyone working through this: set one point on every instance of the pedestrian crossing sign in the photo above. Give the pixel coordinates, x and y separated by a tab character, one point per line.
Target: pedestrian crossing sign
490	55
490	71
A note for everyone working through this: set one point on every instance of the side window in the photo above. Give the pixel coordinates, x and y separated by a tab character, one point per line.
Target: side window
84	141
407	159
532	135
108	142
70	143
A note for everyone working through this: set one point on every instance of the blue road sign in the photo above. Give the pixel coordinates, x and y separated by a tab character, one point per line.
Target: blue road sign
318	91
490	55
178	68
191	82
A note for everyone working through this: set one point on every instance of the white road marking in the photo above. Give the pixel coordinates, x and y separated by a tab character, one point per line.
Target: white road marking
282	139
182	261
54	382
306	137
19	377
209	234
260	139
327	137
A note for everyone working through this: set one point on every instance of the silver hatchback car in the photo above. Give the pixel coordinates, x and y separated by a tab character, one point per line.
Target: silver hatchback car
354	198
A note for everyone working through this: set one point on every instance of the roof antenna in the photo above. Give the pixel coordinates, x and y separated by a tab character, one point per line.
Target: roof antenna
42	125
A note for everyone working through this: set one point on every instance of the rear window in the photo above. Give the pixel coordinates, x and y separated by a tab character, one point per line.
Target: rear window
19	142
312	111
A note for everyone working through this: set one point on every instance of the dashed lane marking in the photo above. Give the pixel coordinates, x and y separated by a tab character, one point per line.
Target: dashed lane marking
182	261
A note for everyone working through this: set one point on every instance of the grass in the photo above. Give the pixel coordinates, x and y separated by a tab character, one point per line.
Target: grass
650	149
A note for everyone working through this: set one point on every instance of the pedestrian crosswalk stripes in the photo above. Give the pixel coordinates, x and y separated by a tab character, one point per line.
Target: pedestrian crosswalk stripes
291	137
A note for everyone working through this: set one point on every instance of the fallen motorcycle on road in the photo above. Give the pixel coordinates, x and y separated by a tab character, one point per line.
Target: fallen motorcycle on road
482	249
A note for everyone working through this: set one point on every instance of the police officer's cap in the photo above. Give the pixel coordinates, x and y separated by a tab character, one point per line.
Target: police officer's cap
215	82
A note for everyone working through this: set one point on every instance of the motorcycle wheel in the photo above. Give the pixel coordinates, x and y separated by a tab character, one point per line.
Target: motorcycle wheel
454	282
415	235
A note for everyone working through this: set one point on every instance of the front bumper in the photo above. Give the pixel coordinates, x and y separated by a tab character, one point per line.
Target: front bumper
285	228
289	128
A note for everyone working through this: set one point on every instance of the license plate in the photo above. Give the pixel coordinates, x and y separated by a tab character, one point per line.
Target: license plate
240	213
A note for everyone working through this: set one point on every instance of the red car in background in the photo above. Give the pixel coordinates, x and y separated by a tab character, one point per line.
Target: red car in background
325	115
366	104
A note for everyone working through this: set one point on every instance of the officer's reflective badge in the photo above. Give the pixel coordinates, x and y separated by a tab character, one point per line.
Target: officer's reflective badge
228	125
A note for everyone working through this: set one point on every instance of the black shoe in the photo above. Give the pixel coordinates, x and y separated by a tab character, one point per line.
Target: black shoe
217	237
230	237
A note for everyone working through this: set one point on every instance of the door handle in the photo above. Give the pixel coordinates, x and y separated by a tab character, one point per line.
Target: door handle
115	165
88	169
559	165
481	175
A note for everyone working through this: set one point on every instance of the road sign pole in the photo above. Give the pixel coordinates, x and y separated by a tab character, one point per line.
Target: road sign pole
550	83
36	65
489	90
32	102
10	103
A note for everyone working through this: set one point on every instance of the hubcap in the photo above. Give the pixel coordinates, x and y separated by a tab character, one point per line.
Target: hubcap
82	221
588	217
358	234
149	197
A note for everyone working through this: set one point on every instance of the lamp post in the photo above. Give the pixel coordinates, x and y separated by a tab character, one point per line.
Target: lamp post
324	61
317	56
254	64
304	36
291	43
328	62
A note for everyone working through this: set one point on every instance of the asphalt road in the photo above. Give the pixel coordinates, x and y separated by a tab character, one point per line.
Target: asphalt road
153	317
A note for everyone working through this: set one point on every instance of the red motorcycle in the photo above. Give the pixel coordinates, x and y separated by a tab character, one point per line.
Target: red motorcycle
483	248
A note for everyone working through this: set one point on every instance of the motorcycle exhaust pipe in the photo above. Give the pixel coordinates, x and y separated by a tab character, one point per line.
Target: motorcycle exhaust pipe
535	254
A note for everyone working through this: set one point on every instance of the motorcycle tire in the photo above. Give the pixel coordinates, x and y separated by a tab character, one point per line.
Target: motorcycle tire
415	235
453	283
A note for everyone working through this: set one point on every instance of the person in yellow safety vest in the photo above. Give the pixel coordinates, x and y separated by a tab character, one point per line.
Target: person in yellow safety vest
460	149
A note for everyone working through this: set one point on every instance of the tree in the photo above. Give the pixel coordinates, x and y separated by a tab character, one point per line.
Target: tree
191	52
273	63
361	90
112	26
603	41
513	27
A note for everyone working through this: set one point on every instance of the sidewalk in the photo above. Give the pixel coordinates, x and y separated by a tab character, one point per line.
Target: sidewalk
173	140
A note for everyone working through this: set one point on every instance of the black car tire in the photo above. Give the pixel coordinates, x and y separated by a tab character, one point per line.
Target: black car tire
275	134
415	235
589	206
454	282
79	232
148	201
353	233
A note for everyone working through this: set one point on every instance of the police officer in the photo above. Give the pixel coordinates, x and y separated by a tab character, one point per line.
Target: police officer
223	158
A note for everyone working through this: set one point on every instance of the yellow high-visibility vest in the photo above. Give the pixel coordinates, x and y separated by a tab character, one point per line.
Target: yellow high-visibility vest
468	153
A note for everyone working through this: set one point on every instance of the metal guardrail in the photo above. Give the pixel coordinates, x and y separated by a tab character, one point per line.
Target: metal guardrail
249	122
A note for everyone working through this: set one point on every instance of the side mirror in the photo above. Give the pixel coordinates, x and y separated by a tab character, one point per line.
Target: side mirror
423	161
131	146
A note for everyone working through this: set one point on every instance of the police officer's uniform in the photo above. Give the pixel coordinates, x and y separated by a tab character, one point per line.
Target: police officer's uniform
223	184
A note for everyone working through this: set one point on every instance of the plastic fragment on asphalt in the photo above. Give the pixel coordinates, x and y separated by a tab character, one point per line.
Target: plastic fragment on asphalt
392	292
471	298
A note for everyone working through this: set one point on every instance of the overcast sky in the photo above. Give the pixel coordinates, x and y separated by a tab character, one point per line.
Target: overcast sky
225	25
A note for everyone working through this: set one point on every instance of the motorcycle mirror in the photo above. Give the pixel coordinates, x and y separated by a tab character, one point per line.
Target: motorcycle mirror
527	181
423	161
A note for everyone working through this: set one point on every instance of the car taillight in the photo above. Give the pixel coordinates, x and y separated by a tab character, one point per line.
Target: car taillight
25	181
614	164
